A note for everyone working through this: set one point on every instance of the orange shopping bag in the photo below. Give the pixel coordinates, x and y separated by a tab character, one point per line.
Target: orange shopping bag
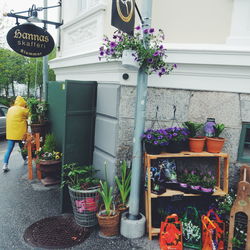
171	233
219	229
208	233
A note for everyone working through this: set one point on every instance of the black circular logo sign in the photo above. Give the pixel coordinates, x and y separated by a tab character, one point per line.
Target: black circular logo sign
29	40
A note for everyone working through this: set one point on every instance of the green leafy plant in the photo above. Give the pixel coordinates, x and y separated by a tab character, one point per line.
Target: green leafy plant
207	179
218	128
193	127
193	178
152	58
239	239
48	150
123	182
106	193
79	177
38	110
182	176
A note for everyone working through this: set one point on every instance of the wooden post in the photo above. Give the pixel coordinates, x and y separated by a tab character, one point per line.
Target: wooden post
30	172
38	170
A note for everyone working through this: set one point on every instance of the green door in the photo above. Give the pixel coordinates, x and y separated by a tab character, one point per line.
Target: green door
72	107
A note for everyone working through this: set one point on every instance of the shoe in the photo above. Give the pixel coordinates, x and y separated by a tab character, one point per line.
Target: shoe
5	168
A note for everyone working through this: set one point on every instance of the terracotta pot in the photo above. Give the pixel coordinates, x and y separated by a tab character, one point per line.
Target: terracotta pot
197	144
215	144
109	225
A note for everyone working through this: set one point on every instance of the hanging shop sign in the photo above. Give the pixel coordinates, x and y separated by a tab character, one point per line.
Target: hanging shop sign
29	40
123	15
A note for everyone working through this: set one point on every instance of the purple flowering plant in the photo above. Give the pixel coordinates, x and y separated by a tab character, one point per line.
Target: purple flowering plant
207	179
152	58
177	134
155	137
163	137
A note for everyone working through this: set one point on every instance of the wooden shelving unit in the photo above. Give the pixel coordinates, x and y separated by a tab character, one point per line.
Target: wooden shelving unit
220	190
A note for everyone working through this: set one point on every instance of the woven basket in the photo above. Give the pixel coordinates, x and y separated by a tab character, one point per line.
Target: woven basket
109	225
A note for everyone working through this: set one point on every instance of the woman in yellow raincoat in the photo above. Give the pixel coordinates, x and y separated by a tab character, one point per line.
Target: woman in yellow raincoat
16	127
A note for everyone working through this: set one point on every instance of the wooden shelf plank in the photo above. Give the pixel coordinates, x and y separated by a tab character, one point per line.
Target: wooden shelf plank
188	154
171	192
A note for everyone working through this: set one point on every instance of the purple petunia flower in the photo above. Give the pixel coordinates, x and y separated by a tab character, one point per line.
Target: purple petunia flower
155	142
113	44
138	27
175	66
156	53
149	137
161	47
150	60
101	53
145	31
163	70
151	30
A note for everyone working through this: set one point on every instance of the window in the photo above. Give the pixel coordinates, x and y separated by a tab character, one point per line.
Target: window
83	5
244	146
4	110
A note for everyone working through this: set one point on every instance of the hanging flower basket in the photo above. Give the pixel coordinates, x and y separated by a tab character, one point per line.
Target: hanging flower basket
128	60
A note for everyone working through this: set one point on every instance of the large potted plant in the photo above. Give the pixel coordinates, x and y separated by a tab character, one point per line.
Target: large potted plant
108	217
38	115
49	161
196	143
123	182
153	58
83	189
216	143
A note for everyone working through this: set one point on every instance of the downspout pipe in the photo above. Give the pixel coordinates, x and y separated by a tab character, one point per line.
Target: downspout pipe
141	98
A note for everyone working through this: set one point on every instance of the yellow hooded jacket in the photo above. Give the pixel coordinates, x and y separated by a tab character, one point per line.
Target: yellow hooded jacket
16	120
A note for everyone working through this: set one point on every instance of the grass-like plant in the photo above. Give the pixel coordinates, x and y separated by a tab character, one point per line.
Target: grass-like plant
106	192
123	182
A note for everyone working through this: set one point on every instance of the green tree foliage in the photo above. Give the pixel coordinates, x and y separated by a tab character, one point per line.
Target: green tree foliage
15	68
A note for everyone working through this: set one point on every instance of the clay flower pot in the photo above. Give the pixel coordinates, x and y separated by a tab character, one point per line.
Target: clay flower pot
215	144
196	144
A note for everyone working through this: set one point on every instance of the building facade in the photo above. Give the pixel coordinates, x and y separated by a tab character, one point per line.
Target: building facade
210	43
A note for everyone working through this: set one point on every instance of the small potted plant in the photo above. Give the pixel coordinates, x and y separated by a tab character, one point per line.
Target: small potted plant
193	180
108	217
208	182
196	143
49	161
123	182
83	189
216	143
182	178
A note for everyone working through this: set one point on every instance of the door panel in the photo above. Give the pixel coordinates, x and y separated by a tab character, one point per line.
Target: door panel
72	107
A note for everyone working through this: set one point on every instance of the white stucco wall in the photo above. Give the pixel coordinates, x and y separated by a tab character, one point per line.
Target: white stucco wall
192	21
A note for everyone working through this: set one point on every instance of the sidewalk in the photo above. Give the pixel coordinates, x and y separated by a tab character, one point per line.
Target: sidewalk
23	202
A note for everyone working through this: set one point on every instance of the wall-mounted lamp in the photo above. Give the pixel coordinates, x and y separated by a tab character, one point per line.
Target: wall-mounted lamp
33	15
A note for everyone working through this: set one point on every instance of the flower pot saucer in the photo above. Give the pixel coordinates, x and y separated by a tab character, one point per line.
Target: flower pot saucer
49	181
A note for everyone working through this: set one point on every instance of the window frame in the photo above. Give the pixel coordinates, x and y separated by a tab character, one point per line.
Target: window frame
242	158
